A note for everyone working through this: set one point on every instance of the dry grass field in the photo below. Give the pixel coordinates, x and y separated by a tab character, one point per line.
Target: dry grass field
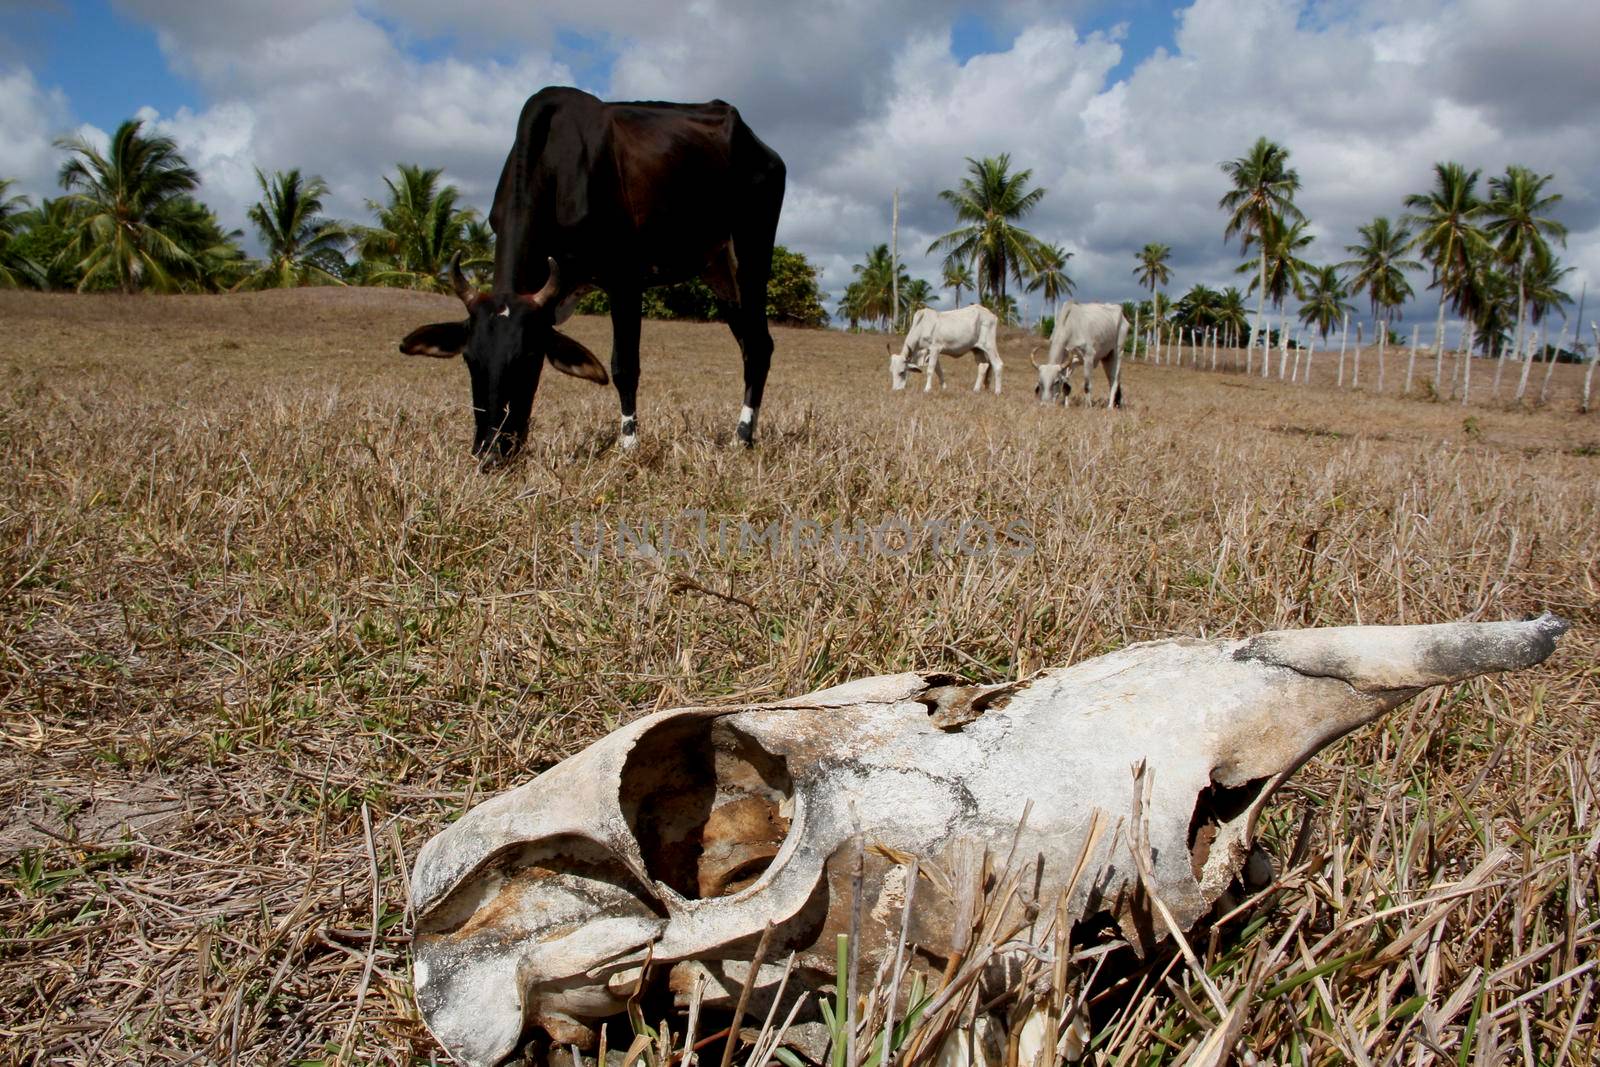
264	629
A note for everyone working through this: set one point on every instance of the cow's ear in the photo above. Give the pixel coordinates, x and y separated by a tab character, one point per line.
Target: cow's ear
570	357
441	340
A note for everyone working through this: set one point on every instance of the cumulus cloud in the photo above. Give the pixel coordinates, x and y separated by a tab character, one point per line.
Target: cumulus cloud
863	99
31	117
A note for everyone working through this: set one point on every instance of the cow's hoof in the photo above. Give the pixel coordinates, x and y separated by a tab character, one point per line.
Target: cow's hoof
746	435
628	441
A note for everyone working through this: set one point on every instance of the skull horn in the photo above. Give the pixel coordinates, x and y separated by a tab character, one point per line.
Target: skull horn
1391	662
1031	353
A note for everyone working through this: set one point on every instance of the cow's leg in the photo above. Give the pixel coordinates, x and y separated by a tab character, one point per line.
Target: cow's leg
1088	383
625	362
995	367
1113	366
753	237
983	372
931	370
755	343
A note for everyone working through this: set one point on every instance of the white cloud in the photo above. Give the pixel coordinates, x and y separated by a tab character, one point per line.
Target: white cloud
31	117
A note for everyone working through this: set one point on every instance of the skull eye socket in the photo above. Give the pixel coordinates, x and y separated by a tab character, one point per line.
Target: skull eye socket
708	806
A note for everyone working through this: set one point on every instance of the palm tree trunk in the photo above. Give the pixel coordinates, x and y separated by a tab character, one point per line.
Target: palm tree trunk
1344	339
1355	382
1550	365
1383	350
1466	366
1588	375
1527	365
1522	307
1283	341
1150	350
1411	364
1439	365
1439	325
1261	308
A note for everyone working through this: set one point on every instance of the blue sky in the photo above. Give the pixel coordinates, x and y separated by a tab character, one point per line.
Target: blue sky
1122	111
104	59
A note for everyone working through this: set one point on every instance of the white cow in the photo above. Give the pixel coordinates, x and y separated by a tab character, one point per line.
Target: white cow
1087	334
947	333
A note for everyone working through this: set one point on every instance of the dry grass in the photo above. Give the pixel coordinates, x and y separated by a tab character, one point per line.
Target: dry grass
264	629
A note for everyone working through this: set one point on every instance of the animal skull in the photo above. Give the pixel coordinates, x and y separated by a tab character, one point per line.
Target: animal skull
677	838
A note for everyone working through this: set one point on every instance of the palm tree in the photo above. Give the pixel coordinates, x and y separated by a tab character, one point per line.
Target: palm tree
1325	304
1380	267
477	251
915	294
1232	316
1518	223
1449	237
1541	286
873	296
990	202
1263	192
1197	310
127	210
288	219
1490	304
1050	277
1153	271
218	261
1005	309
1281	266
957	276
44	236
418	231
1544	294
16	269
851	305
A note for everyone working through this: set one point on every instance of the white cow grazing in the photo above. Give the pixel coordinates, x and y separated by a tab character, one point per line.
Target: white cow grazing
1087	334
947	333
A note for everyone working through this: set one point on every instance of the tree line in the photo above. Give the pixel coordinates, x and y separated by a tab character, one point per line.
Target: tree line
1489	248
130	221
988	249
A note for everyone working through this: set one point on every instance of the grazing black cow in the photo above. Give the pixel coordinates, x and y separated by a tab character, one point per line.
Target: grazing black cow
623	197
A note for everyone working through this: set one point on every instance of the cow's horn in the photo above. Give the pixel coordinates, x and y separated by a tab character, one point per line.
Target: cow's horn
552	285
1031	353
459	280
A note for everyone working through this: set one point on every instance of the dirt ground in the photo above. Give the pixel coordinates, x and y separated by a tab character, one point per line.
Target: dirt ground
265	628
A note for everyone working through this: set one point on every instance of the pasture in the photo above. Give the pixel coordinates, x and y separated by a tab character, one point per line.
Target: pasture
264	629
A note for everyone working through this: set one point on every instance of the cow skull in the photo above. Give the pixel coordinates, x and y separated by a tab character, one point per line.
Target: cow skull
677	838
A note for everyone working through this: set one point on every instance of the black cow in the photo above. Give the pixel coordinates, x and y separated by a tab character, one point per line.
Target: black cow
620	196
